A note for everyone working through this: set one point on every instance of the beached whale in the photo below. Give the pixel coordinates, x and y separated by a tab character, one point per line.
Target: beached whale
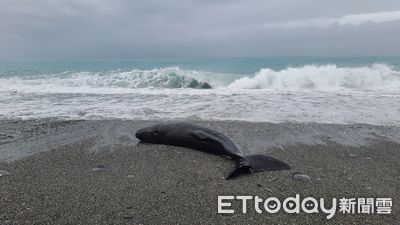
204	139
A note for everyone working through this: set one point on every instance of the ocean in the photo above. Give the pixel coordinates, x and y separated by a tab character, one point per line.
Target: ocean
339	90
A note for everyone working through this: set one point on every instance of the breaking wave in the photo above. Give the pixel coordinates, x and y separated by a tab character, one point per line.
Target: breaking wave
323	77
308	77
169	77
113	81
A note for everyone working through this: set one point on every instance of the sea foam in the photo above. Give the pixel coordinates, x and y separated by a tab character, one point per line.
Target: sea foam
311	93
323	77
330	77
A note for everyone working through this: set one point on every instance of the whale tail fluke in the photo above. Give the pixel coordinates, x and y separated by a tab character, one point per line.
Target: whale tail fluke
257	163
239	170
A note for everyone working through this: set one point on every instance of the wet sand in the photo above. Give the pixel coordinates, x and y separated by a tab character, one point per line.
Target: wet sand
96	172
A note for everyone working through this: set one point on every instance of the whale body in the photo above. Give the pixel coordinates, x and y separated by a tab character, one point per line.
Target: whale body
203	139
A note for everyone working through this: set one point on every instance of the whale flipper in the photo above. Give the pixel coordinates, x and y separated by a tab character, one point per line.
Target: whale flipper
203	135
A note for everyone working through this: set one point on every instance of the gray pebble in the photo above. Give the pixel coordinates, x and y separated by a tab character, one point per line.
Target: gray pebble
301	177
99	168
4	173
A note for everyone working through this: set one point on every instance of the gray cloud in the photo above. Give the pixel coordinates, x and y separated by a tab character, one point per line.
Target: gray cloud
176	28
356	19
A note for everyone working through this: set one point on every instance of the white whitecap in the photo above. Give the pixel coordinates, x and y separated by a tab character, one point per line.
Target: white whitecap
323	77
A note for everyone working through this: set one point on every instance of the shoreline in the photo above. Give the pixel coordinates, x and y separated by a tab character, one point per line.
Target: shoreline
253	137
95	172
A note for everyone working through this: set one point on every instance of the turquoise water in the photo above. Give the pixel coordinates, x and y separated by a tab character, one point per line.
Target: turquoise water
277	89
220	65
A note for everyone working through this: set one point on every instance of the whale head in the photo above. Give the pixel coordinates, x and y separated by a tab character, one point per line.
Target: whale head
151	134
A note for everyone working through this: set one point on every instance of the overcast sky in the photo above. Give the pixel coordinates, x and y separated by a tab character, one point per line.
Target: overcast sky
196	28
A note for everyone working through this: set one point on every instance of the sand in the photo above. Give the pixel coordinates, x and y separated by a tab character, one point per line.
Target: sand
96	172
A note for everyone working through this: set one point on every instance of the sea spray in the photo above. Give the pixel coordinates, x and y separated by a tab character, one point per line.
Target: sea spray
323	77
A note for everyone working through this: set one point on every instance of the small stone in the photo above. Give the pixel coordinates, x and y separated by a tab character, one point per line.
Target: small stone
301	177
98	168
3	216
369	158
128	216
352	155
369	188
268	189
4	173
